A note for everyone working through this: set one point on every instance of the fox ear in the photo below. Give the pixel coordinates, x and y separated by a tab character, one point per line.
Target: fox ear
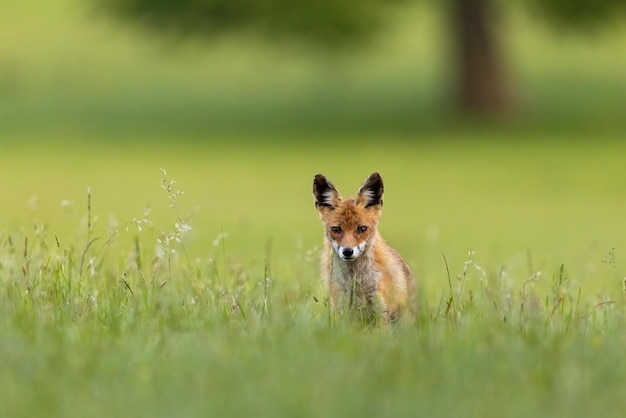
325	193
371	192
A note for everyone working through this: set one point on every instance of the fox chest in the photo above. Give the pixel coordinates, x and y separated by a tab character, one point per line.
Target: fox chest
358	278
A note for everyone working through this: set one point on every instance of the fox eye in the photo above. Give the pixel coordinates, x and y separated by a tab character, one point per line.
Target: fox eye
335	229
361	229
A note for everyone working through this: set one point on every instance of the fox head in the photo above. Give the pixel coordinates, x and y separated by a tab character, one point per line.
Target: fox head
351	224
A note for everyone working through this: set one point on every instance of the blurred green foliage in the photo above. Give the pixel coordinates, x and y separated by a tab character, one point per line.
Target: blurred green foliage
574	13
478	77
69	69
327	22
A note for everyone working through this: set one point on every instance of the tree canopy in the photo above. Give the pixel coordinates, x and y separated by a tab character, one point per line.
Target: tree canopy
323	22
577	12
326	22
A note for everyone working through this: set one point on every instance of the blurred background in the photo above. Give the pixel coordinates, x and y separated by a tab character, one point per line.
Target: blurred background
222	66
497	127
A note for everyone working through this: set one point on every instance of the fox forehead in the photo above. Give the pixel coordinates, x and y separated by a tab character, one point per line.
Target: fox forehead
351	213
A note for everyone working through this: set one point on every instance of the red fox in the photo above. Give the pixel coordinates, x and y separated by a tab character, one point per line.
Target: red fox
362	272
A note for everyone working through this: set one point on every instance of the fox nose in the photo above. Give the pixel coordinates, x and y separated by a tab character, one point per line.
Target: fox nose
347	252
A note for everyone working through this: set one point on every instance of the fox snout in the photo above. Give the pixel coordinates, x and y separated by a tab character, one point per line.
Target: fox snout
348	253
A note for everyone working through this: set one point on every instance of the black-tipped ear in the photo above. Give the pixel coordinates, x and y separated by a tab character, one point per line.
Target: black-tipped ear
371	192
325	193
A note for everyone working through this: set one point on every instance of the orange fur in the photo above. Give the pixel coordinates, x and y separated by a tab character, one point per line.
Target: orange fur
363	273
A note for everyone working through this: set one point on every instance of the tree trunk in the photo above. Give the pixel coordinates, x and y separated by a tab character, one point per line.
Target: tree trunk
482	88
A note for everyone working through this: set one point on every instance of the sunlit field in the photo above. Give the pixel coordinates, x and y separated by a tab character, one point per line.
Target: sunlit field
106	313
159	245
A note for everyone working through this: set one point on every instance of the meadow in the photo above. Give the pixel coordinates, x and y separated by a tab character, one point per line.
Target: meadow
159	245
105	313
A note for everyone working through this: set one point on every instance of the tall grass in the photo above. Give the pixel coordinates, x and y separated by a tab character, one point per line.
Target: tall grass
130	323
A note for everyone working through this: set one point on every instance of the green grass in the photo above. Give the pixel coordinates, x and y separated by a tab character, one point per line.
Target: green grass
135	332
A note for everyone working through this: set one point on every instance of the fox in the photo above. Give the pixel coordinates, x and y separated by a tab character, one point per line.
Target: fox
362	273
